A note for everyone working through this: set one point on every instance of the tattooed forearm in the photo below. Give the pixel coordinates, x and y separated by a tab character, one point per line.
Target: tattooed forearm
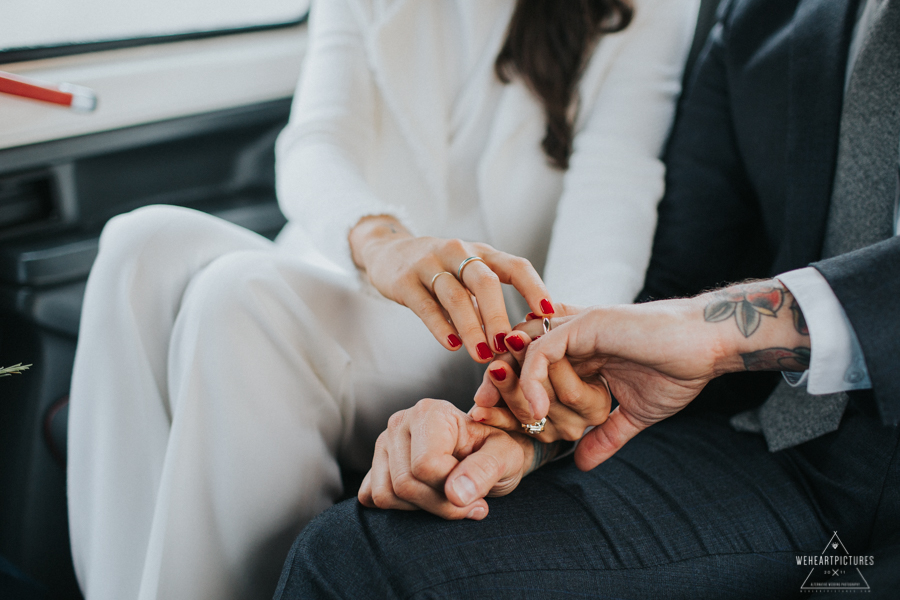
748	304
799	320
777	359
543	453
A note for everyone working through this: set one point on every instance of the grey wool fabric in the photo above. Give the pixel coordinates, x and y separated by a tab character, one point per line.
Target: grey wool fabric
861	212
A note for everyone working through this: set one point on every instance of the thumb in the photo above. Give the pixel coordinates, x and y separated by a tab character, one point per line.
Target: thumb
606	439
498	458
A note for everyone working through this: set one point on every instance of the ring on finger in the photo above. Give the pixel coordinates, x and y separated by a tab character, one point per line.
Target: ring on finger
436	275
546	323
536	427
463	264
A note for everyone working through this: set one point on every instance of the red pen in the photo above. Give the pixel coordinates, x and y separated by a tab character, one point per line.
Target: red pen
76	97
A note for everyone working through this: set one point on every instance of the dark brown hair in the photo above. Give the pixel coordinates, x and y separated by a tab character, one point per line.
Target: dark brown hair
548	45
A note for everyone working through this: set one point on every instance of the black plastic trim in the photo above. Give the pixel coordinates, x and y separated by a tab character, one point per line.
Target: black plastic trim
13	55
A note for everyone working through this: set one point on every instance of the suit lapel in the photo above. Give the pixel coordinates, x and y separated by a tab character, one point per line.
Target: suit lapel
820	42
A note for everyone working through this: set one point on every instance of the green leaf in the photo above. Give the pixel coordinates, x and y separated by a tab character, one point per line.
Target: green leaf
748	319
719	311
13	370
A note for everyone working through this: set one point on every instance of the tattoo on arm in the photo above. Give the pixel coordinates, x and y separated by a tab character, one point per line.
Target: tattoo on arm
543	453
748	305
777	359
799	319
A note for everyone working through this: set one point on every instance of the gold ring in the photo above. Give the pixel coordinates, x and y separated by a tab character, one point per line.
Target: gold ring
536	427
436	275
463	264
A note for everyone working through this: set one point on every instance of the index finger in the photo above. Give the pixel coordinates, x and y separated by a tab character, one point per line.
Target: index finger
434	440
535	376
521	274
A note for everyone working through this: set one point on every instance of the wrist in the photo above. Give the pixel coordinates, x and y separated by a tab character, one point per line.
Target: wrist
537	453
757	326
372	232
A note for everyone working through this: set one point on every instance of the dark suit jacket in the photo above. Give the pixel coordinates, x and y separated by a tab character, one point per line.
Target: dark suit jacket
751	163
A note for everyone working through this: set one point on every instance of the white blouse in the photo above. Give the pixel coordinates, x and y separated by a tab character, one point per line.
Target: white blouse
399	112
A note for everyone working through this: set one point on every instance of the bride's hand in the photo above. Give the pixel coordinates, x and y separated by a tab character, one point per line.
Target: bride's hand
579	398
405	268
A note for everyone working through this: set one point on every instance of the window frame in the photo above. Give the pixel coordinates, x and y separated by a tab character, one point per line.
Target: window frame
15	55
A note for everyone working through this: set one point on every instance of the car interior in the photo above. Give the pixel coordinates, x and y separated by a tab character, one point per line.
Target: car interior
189	117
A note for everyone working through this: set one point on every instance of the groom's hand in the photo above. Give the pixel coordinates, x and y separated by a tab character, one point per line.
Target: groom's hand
434	457
657	357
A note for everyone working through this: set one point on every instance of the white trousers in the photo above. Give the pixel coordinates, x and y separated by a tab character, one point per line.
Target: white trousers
218	379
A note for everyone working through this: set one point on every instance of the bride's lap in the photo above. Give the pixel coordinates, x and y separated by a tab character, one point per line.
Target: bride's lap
218	378
190	275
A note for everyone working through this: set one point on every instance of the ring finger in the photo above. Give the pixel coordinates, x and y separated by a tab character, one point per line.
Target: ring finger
484	284
457	301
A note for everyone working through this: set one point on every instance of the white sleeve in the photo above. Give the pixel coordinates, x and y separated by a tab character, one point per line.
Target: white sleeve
836	360
606	217
321	155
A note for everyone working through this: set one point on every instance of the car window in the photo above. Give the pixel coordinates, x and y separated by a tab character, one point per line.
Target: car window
59	23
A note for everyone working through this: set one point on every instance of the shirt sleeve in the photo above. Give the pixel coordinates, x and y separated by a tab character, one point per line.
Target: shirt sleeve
321	155
836	359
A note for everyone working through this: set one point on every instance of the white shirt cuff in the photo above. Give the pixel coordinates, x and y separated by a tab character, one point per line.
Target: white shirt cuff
836	359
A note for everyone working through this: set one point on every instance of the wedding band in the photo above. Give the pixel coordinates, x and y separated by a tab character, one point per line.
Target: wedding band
546	324
436	275
463	264
536	427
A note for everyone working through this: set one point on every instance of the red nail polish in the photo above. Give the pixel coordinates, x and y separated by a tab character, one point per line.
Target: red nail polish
480	420
454	340
531	317
515	342
499	374
537	338
498	343
483	351
546	307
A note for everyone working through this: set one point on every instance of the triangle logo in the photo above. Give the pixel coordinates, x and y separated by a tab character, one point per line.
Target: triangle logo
832	575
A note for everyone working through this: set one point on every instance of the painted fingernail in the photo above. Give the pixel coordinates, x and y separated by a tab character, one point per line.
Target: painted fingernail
531	317
498	343
482	420
465	489
546	307
537	338
476	514
483	351
454	340
499	373
515	342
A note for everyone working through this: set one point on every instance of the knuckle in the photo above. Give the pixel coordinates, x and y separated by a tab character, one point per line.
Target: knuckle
484	278
522	265
488	469
497	323
570	432
455	247
422	468
404	487
382	497
573	397
458	296
427	405
429	311
521	415
471	332
395	421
